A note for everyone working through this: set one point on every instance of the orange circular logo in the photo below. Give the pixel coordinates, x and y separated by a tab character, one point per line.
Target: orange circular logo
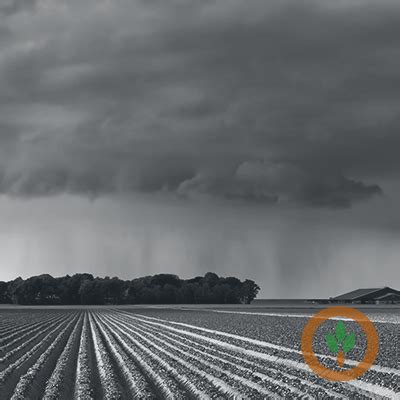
341	339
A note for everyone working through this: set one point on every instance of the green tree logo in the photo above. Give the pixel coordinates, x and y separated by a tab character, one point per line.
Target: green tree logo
340	343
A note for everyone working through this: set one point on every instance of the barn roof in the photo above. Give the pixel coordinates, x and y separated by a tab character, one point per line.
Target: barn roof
355	294
389	295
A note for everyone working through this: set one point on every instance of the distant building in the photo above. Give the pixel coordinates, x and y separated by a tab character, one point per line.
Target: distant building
385	295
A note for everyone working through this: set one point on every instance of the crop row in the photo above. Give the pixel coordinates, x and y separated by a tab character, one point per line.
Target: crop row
117	354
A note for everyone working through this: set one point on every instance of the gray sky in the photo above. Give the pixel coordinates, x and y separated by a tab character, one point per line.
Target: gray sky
250	138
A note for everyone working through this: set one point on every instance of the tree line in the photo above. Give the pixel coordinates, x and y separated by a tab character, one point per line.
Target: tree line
85	289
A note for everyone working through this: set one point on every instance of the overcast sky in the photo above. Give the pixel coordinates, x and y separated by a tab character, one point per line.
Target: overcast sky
251	138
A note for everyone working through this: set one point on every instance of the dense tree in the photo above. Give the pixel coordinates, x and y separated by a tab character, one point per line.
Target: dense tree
249	291
4	295
157	289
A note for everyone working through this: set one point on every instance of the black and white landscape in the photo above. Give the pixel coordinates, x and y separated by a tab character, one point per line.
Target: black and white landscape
165	162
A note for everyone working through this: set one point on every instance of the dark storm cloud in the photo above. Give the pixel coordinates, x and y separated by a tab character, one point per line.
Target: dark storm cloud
271	102
273	183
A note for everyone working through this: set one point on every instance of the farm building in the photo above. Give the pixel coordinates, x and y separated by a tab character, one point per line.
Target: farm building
385	295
